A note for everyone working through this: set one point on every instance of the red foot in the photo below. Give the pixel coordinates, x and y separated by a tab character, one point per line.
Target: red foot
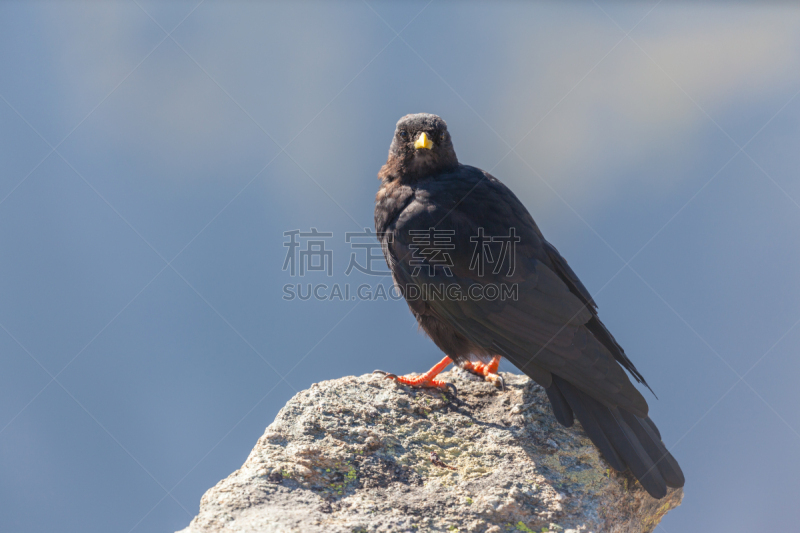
487	370
483	369
426	379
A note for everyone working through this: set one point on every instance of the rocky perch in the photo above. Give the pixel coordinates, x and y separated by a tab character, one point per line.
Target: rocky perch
364	454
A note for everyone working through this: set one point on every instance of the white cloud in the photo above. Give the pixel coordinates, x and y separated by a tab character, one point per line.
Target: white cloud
627	113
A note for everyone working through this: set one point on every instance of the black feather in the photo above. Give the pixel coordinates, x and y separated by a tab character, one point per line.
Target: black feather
598	329
653	426
625	440
560	406
666	464
634	454
593	427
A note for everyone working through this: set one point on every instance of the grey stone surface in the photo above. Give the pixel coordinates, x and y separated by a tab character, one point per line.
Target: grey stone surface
364	454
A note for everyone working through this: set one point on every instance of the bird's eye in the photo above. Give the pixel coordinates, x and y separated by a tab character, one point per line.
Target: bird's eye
403	134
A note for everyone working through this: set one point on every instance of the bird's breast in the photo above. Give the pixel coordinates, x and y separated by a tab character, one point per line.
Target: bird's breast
392	198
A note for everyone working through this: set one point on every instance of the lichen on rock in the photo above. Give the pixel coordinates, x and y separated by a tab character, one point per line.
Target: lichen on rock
364	454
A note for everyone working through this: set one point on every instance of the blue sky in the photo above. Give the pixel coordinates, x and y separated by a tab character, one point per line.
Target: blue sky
153	154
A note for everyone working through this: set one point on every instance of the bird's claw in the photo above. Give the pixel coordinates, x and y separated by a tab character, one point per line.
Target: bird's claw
501	381
495	379
416	382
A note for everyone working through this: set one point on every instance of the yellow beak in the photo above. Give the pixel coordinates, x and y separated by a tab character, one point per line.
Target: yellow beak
423	142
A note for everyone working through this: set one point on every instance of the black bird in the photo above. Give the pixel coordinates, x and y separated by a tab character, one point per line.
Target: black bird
483	283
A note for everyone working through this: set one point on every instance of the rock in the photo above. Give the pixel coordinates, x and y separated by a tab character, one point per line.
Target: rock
364	454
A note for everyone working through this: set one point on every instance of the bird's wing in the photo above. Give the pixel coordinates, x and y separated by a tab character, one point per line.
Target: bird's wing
598	329
542	329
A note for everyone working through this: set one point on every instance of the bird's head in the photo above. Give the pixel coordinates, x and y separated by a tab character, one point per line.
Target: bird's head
421	147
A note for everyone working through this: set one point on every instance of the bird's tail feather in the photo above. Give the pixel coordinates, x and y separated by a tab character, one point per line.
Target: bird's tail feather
560	406
625	440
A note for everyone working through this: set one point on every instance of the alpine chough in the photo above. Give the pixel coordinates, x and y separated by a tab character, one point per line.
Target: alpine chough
483	283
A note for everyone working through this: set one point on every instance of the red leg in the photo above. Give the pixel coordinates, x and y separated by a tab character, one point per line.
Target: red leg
487	370
426	379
